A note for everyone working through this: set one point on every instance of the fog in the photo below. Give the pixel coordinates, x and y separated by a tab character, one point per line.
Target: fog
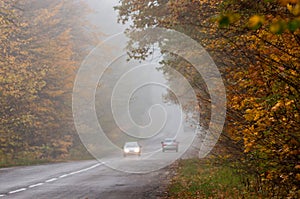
105	17
129	99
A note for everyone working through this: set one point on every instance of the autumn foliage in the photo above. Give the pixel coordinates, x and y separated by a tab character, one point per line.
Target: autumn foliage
39	58
256	47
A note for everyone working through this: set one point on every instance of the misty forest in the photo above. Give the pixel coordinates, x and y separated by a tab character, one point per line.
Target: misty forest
255	45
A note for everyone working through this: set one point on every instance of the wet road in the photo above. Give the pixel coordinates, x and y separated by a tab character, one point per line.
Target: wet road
82	179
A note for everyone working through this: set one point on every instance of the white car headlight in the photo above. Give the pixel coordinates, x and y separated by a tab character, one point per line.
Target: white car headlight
137	150
126	150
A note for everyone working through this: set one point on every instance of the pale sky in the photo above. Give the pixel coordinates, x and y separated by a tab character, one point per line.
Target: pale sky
105	17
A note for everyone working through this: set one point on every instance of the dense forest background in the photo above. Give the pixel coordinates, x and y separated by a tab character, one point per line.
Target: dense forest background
42	46
256	45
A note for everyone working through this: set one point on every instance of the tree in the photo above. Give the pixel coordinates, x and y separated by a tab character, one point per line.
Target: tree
40	54
255	44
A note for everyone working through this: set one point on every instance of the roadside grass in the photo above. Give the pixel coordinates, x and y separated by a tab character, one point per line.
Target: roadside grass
28	159
22	162
199	179
32	161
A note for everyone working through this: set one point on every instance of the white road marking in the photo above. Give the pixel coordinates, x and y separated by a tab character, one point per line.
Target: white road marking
51	180
86	169
63	176
75	172
54	179
35	185
18	190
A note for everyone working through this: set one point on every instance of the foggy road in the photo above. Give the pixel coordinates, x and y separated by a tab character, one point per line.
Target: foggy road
80	179
96	179
91	178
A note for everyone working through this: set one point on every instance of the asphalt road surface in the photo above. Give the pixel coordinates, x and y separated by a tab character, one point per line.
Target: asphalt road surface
114	176
80	179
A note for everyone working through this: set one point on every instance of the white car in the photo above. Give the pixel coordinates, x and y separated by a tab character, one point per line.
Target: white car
169	144
132	148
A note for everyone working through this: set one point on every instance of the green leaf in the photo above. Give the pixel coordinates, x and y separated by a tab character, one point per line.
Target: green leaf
278	27
293	25
224	21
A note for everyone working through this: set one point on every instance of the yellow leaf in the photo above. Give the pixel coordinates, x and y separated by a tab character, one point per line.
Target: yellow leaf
298	176
255	21
294	8
277	27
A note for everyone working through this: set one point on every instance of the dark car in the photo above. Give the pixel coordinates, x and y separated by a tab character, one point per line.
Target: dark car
169	144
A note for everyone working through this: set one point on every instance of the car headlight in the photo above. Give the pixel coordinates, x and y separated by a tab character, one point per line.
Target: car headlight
137	150
126	150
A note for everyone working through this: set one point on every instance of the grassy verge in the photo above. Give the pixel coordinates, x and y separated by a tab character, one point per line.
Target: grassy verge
198	179
27	159
22	162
